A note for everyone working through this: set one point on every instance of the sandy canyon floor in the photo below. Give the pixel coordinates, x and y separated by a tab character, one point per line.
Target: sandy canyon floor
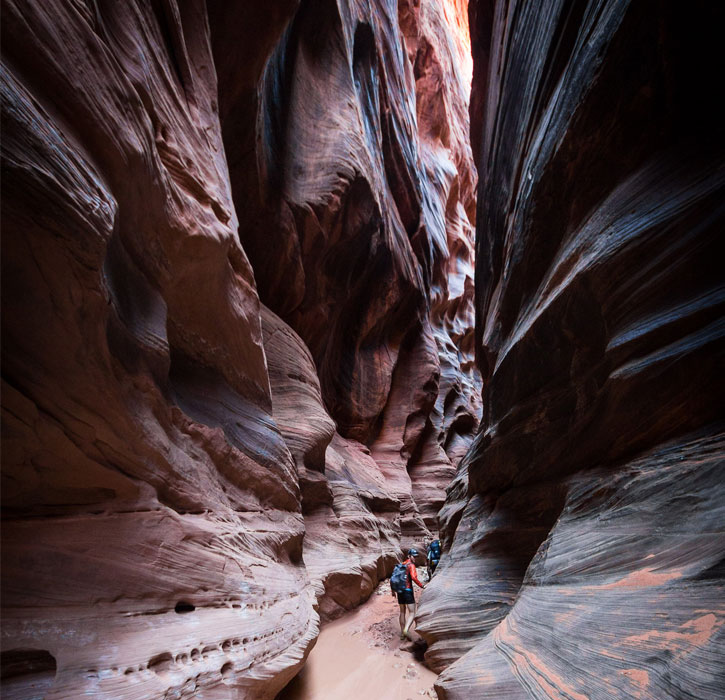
361	656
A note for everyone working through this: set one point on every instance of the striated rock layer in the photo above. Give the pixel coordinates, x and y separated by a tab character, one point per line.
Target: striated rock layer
349	157
152	534
585	525
352	535
191	478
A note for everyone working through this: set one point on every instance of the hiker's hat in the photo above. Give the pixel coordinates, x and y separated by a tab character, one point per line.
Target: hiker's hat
412	552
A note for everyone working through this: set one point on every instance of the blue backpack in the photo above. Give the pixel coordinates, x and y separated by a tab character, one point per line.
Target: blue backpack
434	550
399	578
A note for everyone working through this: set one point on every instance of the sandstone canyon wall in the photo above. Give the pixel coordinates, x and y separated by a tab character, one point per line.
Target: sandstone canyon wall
238	353
349	155
585	526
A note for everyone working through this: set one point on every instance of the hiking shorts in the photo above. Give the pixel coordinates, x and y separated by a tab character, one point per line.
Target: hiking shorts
406	597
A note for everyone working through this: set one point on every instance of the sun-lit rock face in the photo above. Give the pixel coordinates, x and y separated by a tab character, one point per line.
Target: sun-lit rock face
584	530
189	478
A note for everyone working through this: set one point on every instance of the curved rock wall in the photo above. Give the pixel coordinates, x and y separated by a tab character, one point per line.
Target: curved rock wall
152	535
584	529
352	535
191	478
350	159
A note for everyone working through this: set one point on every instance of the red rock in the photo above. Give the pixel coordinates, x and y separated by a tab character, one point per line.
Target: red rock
142	469
367	247
582	553
188	477
352	537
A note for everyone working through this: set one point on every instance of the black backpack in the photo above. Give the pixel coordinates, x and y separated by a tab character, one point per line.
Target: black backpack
399	578
434	550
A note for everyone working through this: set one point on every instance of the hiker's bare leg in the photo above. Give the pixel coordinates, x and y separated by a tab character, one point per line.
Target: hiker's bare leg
409	617
402	619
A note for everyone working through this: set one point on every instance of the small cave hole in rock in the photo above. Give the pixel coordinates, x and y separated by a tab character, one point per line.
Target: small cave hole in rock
26	673
183	607
161	662
227	672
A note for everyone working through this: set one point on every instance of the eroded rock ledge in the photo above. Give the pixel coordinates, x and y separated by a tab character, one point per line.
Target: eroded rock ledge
585	525
191	477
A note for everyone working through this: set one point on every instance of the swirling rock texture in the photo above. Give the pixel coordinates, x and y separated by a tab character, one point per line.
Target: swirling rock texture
352	538
190	478
585	525
350	157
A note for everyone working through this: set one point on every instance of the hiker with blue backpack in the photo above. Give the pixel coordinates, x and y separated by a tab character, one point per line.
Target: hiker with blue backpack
401	584
433	556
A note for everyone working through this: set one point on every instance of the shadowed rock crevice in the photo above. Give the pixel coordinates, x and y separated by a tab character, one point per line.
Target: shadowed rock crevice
26	672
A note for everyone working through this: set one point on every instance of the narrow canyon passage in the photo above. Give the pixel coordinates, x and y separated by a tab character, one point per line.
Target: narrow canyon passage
238	329
360	655
292	287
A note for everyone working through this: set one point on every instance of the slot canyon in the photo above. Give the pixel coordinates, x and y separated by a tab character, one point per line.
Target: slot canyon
292	286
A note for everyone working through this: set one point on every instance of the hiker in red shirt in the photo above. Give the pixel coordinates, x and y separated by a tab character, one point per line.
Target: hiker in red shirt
406	599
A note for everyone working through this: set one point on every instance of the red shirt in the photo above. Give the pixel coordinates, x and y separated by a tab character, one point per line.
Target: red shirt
412	573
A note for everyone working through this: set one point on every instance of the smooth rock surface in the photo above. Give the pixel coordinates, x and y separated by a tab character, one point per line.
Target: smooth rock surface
584	529
190	479
152	534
